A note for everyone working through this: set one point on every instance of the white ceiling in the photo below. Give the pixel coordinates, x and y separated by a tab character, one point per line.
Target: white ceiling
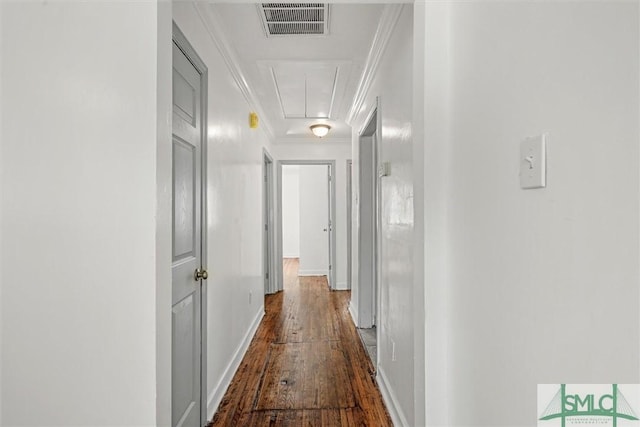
302	80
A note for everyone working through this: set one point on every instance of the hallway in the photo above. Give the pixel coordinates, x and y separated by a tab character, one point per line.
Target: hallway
505	153
306	364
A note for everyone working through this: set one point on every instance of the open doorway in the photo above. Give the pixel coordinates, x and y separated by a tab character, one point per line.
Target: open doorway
306	203
267	220
368	234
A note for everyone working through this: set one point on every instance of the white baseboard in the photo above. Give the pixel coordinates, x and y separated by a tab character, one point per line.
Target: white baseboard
313	273
291	256
342	286
216	395
354	313
395	411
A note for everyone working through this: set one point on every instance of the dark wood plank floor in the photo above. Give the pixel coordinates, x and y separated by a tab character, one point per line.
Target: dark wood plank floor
306	366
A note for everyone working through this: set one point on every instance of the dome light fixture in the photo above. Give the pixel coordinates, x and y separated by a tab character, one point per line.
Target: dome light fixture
320	129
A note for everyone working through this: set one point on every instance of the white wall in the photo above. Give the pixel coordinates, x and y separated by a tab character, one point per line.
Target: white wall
234	258
164	212
542	285
290	211
430	129
314	218
393	84
339	151
78	213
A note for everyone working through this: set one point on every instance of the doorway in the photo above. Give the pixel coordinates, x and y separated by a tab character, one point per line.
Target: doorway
188	235
349	220
267	221
315	188
369	232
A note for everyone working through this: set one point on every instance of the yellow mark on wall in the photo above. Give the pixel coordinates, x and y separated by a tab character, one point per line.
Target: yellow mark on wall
253	120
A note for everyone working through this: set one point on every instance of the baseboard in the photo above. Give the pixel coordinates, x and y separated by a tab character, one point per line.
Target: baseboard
395	411
291	256
354	313
215	397
313	273
342	286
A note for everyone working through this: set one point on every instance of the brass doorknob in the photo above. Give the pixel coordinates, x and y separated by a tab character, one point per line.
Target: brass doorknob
200	274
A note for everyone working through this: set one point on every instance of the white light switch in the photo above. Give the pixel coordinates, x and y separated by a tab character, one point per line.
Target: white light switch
533	162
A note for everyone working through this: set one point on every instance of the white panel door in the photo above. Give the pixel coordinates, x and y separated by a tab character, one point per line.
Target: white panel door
186	241
314	220
329	228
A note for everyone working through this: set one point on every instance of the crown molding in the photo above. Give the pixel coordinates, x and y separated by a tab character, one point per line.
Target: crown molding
312	140
214	27
332	1
387	23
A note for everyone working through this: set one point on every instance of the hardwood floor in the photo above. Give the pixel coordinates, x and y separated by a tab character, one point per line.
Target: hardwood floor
306	366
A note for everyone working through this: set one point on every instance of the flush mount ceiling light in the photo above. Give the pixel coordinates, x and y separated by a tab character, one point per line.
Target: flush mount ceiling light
320	130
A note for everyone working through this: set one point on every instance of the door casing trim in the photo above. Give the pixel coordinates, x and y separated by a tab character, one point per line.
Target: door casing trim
368	304
332	185
349	171
271	266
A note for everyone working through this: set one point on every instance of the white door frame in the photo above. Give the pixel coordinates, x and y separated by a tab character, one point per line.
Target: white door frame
332	217
369	220
181	41
269	266
349	220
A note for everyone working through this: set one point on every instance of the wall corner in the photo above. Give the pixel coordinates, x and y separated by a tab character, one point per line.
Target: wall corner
163	212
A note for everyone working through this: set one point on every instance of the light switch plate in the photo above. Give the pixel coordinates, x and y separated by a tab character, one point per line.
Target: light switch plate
533	162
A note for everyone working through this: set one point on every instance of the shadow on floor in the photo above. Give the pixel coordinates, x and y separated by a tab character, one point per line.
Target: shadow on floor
368	337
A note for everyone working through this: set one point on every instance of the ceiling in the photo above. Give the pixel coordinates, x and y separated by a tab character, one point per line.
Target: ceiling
300	80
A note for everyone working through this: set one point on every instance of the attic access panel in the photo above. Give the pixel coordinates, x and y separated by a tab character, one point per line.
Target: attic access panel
294	19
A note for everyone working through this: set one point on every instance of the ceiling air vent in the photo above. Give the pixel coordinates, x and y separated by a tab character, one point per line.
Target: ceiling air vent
294	19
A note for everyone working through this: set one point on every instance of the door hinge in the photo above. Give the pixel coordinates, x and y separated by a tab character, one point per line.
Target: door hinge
266	276
329	266
266	227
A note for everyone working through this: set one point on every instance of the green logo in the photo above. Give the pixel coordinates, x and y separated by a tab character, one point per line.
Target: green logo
585	405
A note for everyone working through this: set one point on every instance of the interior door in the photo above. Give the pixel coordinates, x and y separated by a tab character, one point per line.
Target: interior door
187	273
331	275
314	221
267	214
